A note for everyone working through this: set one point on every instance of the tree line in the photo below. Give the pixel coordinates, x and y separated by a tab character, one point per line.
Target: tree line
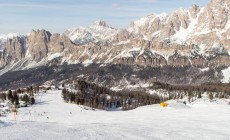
205	87
95	96
214	90
14	98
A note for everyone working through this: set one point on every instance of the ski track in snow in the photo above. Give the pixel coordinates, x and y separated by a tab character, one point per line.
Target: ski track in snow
53	119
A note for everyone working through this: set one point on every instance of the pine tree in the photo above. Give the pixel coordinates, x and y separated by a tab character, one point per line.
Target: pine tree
19	91
32	100
31	91
37	89
199	94
10	96
211	96
189	96
16	99
25	98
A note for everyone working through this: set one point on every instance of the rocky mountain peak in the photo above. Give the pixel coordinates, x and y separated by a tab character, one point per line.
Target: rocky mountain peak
100	23
42	34
215	2
194	10
13	51
98	32
217	14
38	43
219	5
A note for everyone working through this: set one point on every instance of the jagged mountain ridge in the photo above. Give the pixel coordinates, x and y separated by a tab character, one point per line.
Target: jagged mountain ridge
4	38
194	37
98	33
205	26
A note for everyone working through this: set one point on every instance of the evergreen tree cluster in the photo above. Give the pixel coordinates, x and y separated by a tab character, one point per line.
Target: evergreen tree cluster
217	90
13	95
95	96
3	96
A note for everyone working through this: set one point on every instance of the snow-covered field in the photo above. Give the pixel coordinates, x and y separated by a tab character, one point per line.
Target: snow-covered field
51	118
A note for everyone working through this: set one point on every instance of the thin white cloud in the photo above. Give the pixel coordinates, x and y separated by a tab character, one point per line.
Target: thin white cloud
115	5
131	9
149	1
39	5
26	5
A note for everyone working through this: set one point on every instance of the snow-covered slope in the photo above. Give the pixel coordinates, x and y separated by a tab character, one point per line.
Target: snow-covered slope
4	37
53	119
99	32
226	75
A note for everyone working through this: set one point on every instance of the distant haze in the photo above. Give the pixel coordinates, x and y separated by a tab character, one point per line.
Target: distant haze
59	15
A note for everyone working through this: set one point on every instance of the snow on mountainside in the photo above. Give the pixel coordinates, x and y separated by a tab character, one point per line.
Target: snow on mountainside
197	25
54	119
4	37
197	37
226	75
98	32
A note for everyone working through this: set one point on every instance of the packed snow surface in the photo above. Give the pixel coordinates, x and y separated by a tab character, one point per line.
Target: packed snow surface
51	118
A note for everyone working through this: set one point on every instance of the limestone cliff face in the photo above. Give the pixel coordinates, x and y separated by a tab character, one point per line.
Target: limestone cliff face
37	44
40	43
13	51
58	43
123	35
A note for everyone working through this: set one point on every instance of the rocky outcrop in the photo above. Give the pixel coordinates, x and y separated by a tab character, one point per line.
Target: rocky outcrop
37	44
40	43
188	26
194	10
14	50
58	43
123	35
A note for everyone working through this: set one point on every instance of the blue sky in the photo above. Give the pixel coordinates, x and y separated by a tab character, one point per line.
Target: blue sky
58	15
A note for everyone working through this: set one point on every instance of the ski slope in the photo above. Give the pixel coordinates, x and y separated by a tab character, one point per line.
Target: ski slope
53	119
